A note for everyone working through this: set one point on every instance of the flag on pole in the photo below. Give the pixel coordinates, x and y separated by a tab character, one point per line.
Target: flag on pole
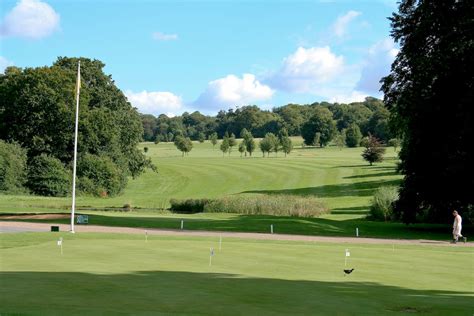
348	254
78	80
60	241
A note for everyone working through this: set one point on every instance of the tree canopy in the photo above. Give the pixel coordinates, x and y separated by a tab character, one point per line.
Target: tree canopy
430	95
37	108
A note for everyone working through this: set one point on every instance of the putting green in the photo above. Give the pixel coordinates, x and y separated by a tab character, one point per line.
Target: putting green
124	274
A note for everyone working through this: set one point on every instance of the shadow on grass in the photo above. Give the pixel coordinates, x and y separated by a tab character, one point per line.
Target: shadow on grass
281	225
361	210
371	175
166	292
364	188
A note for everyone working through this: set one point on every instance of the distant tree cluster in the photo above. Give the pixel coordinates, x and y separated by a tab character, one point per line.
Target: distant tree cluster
37	127
318	123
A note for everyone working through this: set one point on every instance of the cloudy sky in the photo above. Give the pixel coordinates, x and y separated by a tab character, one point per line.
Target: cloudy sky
175	56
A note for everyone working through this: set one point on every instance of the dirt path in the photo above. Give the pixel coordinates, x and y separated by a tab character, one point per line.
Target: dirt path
24	226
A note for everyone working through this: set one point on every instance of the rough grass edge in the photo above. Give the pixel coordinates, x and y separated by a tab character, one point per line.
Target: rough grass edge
263	204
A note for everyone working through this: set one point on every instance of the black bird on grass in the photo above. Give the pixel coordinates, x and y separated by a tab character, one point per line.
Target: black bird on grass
348	271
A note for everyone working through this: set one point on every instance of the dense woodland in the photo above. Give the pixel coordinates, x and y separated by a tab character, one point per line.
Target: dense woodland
355	119
36	130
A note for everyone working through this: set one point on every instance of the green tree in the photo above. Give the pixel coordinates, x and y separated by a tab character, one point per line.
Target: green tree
317	139
374	151
353	135
322	122
224	145
201	137
48	176
213	139
340	139
285	141
242	148
431	86
184	144
232	142
267	144
170	137
37	111
12	167
149	127
99	175
248	141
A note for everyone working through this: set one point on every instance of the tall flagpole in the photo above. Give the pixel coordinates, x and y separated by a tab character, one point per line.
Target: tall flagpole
78	87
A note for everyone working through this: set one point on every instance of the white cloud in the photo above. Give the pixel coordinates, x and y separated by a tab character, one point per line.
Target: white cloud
31	19
233	91
307	69
339	27
376	65
164	37
353	96
4	63
155	102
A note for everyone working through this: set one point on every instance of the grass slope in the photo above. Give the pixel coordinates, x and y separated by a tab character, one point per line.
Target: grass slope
339	177
123	274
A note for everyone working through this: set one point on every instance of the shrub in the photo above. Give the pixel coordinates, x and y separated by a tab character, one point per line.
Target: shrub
353	135
188	206
266	204
382	203
12	167
48	176
99	174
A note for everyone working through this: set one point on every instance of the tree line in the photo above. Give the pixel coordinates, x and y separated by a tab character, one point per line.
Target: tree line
330	120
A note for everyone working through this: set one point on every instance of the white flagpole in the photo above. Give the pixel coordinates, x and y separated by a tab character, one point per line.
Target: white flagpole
78	87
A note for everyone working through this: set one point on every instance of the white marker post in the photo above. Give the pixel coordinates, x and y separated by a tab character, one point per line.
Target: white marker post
348	254
357	231
271	229
60	244
211	254
146	235
220	242
182	224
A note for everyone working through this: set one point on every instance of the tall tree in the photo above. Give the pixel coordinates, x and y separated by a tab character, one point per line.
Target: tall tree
322	122
36	110
431	85
285	141
224	145
353	135
242	149
232	142
213	139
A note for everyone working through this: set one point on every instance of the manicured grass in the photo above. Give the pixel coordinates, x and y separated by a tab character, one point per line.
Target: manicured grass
123	274
339	177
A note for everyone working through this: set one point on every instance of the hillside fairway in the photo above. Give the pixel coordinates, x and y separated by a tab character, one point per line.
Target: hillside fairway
124	274
339	177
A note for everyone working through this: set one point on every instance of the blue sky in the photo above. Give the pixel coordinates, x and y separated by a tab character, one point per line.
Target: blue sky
175	56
